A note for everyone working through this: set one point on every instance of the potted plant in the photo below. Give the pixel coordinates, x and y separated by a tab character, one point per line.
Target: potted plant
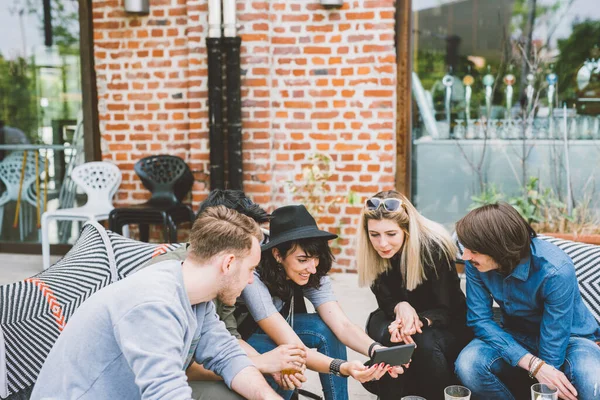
581	225
547	214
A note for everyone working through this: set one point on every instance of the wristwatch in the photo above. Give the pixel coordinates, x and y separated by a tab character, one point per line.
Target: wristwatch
334	367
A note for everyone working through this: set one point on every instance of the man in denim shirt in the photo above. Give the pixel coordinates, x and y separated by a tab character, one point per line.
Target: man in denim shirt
546	328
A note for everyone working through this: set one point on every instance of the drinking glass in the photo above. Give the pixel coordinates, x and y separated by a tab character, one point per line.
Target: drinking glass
413	398
542	391
457	392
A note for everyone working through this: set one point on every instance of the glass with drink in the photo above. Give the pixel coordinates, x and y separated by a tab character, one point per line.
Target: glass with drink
542	391
457	392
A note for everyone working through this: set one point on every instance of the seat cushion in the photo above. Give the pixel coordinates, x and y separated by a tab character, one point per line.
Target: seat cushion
586	258
34	311
131	254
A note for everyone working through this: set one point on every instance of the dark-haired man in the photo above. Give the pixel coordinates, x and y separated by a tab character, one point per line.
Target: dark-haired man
203	381
547	331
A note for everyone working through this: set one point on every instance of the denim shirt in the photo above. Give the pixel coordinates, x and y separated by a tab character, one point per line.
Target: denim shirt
540	299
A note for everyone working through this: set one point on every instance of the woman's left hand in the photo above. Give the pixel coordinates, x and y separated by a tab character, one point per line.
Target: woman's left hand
362	373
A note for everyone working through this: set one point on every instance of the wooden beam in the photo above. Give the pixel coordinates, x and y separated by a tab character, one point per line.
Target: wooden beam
403	95
91	127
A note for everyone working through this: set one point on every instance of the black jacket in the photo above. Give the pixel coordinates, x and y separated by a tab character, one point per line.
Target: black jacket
439	298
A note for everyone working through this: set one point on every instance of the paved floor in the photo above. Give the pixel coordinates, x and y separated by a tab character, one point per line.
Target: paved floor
356	302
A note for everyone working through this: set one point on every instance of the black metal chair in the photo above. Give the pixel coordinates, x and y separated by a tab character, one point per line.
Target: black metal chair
169	179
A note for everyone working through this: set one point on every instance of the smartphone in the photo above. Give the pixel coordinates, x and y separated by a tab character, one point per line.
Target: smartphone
397	355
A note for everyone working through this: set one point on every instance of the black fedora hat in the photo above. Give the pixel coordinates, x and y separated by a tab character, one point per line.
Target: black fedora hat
293	223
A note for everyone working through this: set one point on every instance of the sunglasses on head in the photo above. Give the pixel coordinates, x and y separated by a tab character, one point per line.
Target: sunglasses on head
390	204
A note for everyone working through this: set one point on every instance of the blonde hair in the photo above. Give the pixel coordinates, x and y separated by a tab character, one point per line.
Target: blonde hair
218	229
422	237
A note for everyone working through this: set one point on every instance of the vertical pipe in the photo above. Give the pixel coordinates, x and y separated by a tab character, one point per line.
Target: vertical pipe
214	18
47	23
234	113
215	99
232	45
215	114
229	18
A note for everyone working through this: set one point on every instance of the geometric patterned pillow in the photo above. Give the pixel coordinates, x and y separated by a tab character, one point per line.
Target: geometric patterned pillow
586	258
131	254
33	312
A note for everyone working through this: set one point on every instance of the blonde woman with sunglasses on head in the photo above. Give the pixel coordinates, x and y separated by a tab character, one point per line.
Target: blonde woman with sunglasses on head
408	261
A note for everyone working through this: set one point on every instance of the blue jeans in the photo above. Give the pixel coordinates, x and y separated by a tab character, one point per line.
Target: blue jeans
484	371
315	334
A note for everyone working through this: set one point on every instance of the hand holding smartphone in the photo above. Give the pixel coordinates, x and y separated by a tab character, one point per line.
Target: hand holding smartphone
394	356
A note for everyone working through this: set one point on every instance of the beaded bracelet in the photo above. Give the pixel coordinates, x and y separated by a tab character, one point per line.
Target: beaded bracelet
531	360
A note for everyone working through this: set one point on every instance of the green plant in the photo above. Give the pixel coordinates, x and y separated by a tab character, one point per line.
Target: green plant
582	220
18	103
314	191
488	195
314	188
533	200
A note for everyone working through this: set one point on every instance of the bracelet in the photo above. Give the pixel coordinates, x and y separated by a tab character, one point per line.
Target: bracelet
533	358
534	364
534	367
537	369
334	367
370	351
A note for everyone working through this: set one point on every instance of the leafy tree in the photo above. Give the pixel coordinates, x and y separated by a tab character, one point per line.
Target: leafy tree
18	103
574	50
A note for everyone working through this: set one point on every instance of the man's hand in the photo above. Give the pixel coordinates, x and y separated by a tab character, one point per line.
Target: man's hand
290	381
284	357
550	375
362	373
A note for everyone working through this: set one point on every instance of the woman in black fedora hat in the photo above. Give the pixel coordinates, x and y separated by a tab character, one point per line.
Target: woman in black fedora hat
294	265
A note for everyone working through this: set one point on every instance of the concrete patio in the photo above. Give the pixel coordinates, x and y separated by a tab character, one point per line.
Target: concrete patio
356	302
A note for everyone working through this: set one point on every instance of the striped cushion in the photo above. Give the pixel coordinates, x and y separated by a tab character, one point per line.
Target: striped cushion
131	254
586	258
35	311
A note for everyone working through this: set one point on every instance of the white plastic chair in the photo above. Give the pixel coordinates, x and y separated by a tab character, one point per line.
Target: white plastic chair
100	181
10	174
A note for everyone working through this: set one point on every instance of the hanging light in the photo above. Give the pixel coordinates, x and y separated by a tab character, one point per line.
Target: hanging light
137	6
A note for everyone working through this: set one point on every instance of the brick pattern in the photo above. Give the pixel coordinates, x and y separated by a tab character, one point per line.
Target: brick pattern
313	81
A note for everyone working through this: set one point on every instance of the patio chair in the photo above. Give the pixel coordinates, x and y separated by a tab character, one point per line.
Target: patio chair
169	179
100	181
10	175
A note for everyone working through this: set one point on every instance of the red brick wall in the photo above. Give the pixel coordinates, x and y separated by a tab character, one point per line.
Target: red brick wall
314	81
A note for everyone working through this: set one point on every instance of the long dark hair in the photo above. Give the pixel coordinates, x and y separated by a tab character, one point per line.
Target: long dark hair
273	275
499	231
